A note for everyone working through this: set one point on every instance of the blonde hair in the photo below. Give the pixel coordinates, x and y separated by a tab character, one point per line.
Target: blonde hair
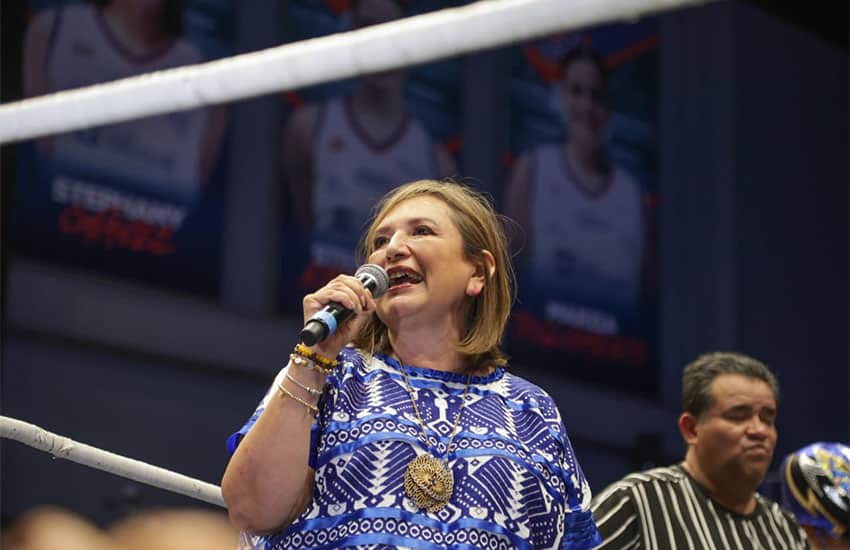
480	228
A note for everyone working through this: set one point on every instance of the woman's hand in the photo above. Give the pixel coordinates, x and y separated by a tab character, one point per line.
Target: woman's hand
349	292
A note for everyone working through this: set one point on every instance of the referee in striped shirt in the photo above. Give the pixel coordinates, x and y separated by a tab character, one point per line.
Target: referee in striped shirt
709	501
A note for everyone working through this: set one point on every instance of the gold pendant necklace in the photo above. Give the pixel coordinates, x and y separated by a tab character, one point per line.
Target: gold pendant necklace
428	481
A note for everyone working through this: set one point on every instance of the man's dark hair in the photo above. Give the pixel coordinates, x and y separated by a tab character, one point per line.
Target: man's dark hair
701	372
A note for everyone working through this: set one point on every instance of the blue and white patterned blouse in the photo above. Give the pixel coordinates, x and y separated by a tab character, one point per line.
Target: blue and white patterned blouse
517	481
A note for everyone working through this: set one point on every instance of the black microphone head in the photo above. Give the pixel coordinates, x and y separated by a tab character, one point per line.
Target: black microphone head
373	272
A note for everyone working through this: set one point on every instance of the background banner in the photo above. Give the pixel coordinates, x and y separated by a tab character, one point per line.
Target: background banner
583	191
141	199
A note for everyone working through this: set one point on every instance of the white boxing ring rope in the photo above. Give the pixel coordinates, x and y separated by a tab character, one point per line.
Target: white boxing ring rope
413	40
62	447
410	41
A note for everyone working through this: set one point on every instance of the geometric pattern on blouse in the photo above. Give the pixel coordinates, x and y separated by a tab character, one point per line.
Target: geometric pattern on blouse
517	481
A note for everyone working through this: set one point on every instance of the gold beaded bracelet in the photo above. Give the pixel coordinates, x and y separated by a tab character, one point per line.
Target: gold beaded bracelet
320	360
300	361
312	408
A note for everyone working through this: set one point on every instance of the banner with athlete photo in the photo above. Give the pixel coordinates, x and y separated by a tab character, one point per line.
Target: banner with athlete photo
346	143
141	199
582	188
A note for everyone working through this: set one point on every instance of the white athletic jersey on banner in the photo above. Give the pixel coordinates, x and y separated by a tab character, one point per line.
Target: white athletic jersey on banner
586	247
351	174
162	150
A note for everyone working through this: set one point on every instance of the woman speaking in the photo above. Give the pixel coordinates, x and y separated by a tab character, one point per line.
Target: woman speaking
403	428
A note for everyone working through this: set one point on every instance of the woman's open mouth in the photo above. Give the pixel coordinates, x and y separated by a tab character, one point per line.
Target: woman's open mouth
402	277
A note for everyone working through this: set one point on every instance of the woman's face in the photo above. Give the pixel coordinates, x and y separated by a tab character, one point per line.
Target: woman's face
421	248
585	103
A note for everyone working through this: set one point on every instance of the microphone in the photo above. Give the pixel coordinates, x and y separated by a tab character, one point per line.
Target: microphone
323	323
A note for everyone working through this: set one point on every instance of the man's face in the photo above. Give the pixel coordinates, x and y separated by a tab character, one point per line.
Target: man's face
735	438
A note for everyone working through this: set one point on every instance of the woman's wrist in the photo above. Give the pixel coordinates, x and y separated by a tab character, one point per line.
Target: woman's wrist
328	352
287	392
306	372
303	383
312	358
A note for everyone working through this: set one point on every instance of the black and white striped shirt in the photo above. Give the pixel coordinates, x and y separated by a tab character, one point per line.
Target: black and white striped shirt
665	508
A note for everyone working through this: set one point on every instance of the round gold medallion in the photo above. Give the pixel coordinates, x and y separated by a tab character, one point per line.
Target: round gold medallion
428	482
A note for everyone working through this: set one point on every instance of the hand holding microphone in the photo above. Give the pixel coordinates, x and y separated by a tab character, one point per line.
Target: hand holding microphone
324	322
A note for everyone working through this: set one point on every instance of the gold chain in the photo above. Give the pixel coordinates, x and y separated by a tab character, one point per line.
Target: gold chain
419	416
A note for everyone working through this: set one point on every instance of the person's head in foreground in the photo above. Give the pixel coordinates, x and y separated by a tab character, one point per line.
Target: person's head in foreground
815	484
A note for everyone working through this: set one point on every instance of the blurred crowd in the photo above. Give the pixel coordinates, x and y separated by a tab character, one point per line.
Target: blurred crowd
55	528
